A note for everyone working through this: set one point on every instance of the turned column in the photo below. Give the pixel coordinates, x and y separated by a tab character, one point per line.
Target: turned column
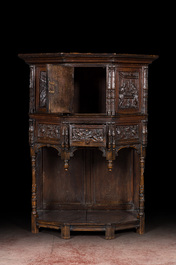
34	227
141	228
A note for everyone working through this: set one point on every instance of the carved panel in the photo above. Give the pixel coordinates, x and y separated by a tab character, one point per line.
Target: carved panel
92	135
42	86
32	89
128	90
127	132
51	131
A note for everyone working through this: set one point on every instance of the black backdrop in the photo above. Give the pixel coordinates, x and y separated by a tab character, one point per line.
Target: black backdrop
147	36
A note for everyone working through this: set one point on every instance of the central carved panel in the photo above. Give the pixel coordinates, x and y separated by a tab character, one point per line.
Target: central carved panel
81	135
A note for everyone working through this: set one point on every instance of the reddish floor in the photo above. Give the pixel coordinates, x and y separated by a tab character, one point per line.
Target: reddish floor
18	246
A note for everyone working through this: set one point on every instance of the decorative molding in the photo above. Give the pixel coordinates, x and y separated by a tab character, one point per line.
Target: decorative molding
137	147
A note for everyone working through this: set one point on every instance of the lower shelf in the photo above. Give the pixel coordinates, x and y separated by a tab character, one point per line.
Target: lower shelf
83	220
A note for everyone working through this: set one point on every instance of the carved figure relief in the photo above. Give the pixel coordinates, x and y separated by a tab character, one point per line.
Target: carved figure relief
95	135
48	131
126	132
128	90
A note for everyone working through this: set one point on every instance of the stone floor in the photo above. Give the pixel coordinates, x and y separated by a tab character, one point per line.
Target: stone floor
18	246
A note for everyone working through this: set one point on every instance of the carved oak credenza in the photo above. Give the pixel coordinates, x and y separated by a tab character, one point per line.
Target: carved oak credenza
88	136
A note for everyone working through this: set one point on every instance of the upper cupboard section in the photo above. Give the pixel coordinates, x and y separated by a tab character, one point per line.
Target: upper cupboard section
107	89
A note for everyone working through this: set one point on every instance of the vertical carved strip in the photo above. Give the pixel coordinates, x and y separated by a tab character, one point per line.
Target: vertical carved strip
32	89
108	92
31	132
113	92
141	229
145	89
144	133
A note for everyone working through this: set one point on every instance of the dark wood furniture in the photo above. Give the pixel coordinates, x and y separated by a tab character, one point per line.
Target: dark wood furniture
88	136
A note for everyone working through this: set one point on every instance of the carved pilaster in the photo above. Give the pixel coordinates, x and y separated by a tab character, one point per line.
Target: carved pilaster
32	89
65	153
31	132
110	152
110	94
145	89
144	133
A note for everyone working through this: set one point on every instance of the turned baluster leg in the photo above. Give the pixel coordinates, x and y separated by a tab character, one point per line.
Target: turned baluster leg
34	227
141	228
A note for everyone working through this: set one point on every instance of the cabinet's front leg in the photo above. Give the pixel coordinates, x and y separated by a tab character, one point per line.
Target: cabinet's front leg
34	227
109	232
65	232
141	229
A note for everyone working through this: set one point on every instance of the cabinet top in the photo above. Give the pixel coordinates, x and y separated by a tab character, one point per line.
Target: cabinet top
35	58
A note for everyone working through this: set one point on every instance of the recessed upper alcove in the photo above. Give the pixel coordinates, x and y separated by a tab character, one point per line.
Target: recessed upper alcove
89	90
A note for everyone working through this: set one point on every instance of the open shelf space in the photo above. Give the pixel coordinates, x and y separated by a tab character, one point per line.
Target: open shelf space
89	90
87	217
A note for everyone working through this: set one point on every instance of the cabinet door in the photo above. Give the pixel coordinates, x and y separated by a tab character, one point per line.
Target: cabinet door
128	90
60	88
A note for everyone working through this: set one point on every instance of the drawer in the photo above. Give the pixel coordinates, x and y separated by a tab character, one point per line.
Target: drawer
88	135
48	132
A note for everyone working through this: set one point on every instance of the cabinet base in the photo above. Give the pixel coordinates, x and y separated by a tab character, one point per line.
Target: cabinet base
82	220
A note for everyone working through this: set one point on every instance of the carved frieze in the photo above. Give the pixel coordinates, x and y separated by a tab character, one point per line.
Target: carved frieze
51	131
127	132
128	90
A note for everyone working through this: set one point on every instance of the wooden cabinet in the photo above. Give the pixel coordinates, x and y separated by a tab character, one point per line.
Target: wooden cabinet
88	135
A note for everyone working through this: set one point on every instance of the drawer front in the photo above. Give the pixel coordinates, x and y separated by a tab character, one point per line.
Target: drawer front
48	132
128	133
88	135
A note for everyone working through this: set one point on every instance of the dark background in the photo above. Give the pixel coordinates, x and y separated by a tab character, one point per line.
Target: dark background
140	33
